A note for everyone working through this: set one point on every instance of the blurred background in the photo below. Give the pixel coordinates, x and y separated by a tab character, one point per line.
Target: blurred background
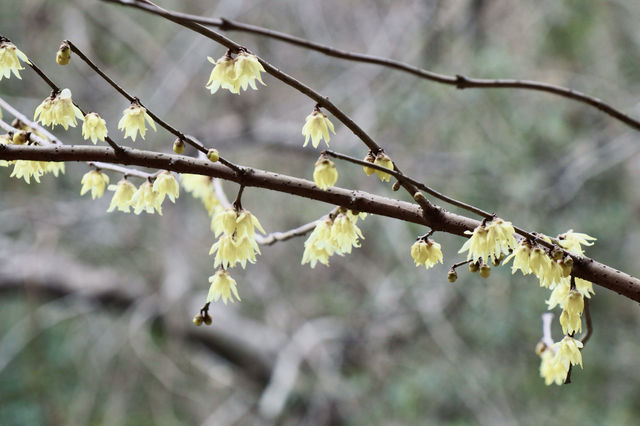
96	308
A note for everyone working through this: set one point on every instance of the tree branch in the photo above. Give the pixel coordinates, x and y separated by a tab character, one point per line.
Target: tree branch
583	267
459	81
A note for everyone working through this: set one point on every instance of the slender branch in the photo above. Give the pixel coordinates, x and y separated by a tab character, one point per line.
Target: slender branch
459	81
583	267
275	237
155	118
23	118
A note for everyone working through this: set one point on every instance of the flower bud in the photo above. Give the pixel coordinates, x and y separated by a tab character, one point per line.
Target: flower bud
213	155
396	185
567	266
20	138
474	266
452	276
207	319
496	260
198	320
178	146
369	159
485	270
64	54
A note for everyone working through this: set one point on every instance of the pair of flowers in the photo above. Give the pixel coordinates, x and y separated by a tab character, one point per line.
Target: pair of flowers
148	197
334	235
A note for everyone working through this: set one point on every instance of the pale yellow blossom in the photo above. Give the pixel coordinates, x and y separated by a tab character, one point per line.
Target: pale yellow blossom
426	252
10	57
94	127
166	185
325	173
146	199
317	127
133	121
123	193
58	109
385	161
222	287
94	181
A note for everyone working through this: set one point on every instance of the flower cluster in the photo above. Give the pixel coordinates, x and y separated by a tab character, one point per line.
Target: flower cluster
148	197
325	173
10	57
490	240
334	235
426	252
317	127
202	188
58	109
26	169
237	243
236	73
133	121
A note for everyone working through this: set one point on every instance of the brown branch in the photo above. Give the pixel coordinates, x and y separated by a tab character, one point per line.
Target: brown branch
588	322
583	267
459	81
155	118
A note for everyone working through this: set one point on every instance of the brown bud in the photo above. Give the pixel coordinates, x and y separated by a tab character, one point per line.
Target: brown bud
207	319
474	266
452	276
485	270
396	185
198	320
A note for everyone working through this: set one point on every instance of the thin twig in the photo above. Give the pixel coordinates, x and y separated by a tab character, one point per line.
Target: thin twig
458	81
588	322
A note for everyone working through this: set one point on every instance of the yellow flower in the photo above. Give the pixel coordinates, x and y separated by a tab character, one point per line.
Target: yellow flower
573	241
230	249
25	169
568	351
369	159
10	57
146	199
94	127
383	160
166	185
426	253
325	173
223	75
224	222
584	287
63	55
521	257
552	369
96	182
559	294
246	224
345	234
319	246
317	127
122	196
222	287
201	187
491	240
570	322
133	120
574	304
247	71
58	109
54	167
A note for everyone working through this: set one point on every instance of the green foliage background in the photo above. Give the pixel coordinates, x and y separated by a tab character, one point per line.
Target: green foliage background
411	347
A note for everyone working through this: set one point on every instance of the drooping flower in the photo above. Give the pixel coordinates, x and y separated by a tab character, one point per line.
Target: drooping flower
552	370
317	127
223	75
559	294
133	120
94	181
383	160
491	240
94	127
246	224
166	185
25	169
54	167
10	57
345	234
202	188
58	109
247	71
568	351
237	243
122	196
573	241
325	173
319	246
426	252
521	258
369	159
146	199
222	287
230	249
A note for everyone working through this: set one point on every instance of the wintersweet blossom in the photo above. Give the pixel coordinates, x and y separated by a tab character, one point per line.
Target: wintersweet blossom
222	287
10	57
202	188
319	246
133	121
383	160
166	185
25	169
369	159
146	199
230	249
246	224
521	258
247	70
552	370
490	240
123	193
568	351
325	173
58	109
426	252
94	181
223	75
573	241
345	234
317	127
94	127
